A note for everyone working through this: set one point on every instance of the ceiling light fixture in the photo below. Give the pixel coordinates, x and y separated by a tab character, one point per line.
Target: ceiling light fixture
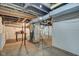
40	18
40	6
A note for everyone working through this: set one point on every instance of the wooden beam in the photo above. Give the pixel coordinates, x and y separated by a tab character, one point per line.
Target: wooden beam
15	13
18	20
24	19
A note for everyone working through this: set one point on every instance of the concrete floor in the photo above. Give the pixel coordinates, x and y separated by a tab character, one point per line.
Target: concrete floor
30	49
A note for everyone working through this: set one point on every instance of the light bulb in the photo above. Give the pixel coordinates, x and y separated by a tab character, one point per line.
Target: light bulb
40	6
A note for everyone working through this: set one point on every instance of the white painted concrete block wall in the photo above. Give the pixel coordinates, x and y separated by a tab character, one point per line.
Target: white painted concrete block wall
66	35
10	32
36	32
43	31
2	34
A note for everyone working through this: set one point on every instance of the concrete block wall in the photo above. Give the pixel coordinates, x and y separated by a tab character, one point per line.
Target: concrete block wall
43	31
10	32
66	35
2	34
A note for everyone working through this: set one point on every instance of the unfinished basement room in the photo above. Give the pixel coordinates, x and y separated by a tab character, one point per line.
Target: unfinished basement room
39	29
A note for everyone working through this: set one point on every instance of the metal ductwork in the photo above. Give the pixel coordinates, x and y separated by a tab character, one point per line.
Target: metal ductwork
59	11
35	9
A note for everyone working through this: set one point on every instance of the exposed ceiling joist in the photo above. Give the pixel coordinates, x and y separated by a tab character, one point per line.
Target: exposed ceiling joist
24	19
15	7
55	5
39	8
18	20
11	12
26	5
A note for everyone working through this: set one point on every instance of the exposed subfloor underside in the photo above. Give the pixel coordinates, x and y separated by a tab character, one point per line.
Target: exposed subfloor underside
30	49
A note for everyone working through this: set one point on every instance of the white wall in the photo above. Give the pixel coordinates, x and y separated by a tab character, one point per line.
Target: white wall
66	35
36	32
43	31
10	32
2	34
